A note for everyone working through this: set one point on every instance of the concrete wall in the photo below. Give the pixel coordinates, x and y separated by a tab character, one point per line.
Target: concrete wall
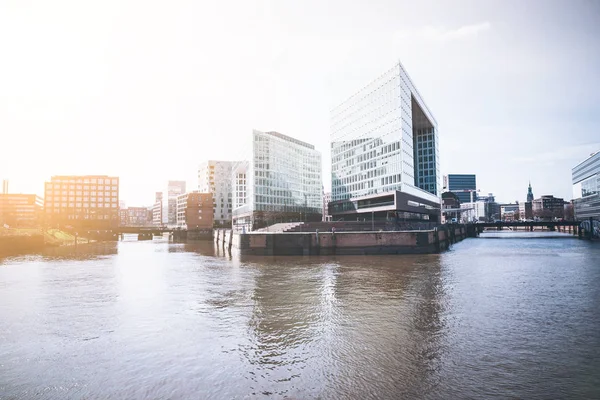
325	243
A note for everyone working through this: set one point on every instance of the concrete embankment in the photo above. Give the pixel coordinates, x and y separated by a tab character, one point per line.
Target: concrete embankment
343	243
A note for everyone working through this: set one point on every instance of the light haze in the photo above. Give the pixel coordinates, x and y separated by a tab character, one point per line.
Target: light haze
147	90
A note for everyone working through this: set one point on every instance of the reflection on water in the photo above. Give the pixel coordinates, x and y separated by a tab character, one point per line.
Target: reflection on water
506	318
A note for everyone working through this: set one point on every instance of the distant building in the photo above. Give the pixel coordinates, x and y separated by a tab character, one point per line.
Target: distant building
586	188
385	159
475	211
548	207
282	182
508	212
134	216
492	209
215	177
160	213
526	210
458	183
87	202
21	210
450	207
174	189
195	210
325	209
122	216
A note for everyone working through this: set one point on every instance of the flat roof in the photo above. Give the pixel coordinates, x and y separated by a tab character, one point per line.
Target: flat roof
597	153
289	139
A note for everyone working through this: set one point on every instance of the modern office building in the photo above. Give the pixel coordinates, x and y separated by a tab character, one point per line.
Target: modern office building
461	184
174	189
385	153
90	201
281	182
20	210
548	207
215	177
586	188
195	210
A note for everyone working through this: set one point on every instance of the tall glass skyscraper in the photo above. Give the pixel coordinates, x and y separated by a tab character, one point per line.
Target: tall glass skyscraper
280	182
384	152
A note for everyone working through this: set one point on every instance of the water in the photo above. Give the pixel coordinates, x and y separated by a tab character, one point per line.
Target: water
510	318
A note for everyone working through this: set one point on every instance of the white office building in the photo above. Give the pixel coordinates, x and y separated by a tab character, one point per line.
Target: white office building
385	153
280	182
215	177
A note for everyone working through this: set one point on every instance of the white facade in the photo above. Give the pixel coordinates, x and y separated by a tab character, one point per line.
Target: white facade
174	189
181	207
385	139
215	177
283	178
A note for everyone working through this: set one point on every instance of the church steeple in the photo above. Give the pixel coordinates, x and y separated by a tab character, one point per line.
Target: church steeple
529	193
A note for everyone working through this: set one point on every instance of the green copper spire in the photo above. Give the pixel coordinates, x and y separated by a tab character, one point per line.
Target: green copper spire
529	193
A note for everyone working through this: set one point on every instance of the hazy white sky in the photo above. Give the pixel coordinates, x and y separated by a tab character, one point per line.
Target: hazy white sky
147	89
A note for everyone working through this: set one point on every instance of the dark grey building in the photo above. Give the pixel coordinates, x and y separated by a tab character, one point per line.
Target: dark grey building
459	182
586	188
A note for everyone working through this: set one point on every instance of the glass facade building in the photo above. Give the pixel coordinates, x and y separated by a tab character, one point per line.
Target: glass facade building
586	188
459	182
384	151
280	182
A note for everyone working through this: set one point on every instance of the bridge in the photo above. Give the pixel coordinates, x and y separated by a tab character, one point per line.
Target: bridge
588	228
154	230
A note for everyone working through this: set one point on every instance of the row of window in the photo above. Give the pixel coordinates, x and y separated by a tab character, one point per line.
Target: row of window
101	181
55	206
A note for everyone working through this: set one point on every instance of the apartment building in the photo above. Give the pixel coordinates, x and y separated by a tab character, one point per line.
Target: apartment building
82	201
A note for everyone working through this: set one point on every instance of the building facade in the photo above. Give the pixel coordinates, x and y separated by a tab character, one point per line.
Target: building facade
548	207
90	201
461	184
195	211
215	177
526	210
508	212
282	182
21	210
385	153
174	189
325	208
586	188
135	216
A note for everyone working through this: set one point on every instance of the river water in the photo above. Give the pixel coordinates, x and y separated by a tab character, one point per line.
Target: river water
491	318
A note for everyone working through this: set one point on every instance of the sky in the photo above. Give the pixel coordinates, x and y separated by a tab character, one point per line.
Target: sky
146	90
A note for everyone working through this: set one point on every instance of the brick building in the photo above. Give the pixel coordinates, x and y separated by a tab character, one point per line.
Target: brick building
195	210
88	202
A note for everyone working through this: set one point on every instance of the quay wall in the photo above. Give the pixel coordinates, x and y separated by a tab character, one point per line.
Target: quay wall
341	243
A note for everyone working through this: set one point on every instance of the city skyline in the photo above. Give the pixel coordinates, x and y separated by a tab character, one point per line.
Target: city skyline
132	88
